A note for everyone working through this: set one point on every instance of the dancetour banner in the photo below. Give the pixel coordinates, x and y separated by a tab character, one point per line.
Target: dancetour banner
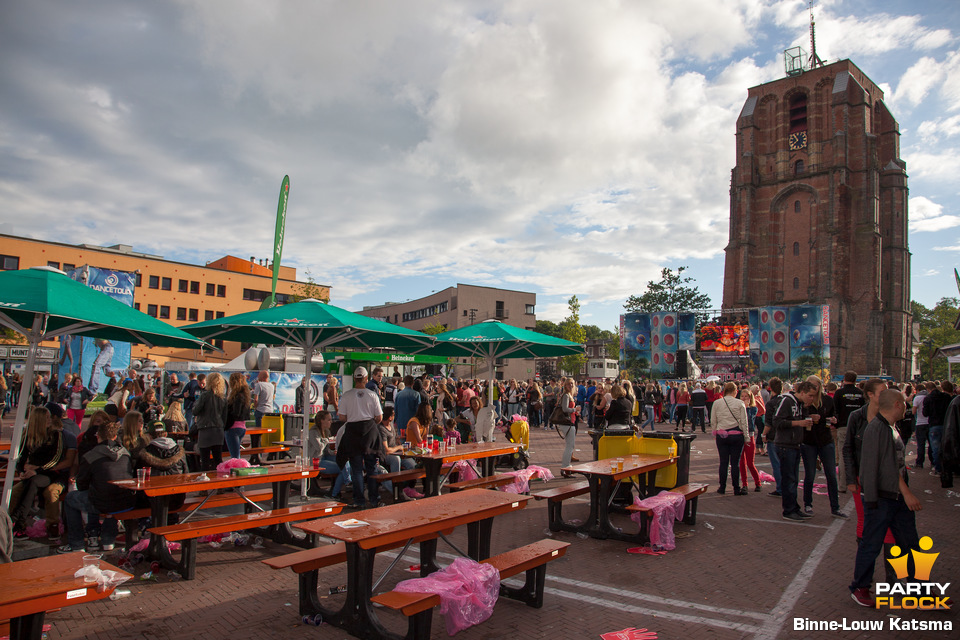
94	358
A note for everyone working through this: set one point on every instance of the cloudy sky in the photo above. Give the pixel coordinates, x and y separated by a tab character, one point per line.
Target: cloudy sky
561	147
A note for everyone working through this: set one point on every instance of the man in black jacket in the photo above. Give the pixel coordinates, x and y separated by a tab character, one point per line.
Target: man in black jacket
790	421
935	406
101	465
847	399
887	500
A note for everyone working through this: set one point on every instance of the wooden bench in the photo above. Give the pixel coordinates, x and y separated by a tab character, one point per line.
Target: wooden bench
129	518
487	482
189	532
400	477
418	607
555	498
532	559
690	492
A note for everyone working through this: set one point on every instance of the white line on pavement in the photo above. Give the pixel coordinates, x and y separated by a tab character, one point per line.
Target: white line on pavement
770	521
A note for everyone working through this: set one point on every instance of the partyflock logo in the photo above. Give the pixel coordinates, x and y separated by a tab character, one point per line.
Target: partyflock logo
920	593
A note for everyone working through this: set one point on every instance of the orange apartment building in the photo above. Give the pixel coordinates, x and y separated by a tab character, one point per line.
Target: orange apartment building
177	293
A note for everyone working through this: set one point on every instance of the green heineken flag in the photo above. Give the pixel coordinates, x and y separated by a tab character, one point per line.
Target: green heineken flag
957	277
278	241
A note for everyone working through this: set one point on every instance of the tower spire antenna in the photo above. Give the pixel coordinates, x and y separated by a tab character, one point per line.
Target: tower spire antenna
815	60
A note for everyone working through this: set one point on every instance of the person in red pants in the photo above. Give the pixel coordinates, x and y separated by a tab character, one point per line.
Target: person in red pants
750	444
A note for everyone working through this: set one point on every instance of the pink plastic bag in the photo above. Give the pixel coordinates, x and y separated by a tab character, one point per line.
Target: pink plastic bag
522	478
667	507
766	477
468	591
226	465
464	470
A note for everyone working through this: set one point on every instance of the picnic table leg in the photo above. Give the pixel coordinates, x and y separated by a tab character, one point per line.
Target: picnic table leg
595	500
428	557
359	616
157	550
283	532
29	627
487	466
604	526
431	482
478	539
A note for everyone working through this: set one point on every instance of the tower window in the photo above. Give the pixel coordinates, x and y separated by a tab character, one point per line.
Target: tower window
798	113
796	206
796	250
798	168
796	283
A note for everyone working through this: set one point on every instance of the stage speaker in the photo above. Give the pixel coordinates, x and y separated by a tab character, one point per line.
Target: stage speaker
682	370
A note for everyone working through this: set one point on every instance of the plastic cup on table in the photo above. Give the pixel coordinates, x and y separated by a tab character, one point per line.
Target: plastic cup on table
298	462
619	464
316	463
613	466
91	568
141	476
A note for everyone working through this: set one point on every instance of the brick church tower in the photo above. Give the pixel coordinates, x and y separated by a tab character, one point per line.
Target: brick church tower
818	212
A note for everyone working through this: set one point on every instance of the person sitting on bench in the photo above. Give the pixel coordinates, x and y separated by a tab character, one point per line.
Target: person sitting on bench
104	463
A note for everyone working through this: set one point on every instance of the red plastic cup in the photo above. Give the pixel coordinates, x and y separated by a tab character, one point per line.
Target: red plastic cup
316	463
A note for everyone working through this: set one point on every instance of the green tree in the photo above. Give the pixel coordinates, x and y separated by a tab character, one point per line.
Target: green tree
673	293
936	331
309	289
570	329
549	328
611	339
433	329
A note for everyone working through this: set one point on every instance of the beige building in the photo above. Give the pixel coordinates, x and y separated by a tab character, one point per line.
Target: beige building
174	292
463	305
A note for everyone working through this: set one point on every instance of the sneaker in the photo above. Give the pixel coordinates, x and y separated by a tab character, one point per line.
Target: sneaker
839	514
935	473
775	494
67	549
808	510
409	493
106	547
757	489
796	517
806	516
93	543
863	598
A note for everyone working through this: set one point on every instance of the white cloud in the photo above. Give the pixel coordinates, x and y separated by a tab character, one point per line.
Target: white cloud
929	272
918	80
926	215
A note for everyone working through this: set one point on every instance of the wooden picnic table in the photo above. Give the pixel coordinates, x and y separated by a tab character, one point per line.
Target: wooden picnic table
398	524
30	588
604	481
160	489
484	452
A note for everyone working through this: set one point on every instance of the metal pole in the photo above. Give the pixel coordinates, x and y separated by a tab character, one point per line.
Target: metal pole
25	391
307	371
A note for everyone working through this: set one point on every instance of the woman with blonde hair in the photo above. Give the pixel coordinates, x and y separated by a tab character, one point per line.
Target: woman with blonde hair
238	410
729	422
131	434
173	419
42	449
680	409
208	415
749	444
534	405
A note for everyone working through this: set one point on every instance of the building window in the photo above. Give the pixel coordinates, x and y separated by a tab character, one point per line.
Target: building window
55	265
501	311
208	315
182	286
219	314
165	312
194	315
181	313
194	287
152	310
221	291
798	168
139	280
798	113
796	283
427	312
166	284
211	289
218	344
136	305
154	282
69	267
796	206
530	309
796	248
255	295
10	263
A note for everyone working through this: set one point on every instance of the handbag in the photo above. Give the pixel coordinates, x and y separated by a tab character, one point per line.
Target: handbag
558	416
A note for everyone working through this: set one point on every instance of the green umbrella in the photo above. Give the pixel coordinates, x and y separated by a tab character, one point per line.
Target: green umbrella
43	303
313	326
492	339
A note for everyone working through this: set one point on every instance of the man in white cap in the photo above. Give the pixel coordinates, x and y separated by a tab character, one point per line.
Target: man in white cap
361	445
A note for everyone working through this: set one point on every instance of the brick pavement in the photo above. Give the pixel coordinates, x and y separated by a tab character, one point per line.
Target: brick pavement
746	577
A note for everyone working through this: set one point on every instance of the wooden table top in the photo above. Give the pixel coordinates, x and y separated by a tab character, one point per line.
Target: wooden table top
249	432
467	451
643	463
189	482
42	584
405	520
